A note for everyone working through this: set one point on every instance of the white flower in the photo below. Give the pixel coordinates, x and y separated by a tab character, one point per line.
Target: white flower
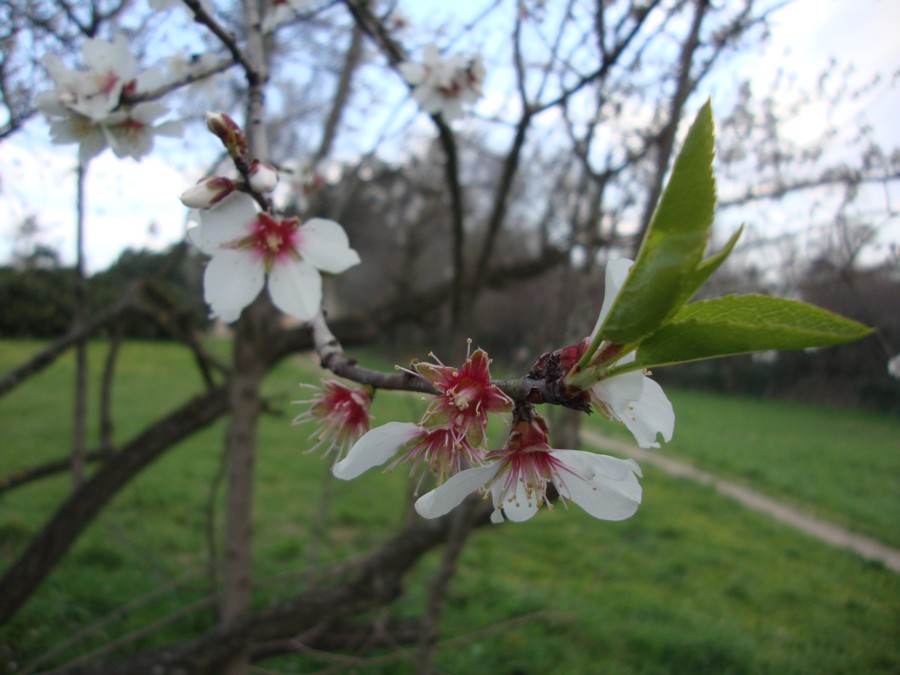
246	246
444	86
131	129
631	398
893	367
75	128
517	479
84	107
110	67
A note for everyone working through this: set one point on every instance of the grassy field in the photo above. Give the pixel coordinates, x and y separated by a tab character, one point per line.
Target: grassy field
692	584
842	465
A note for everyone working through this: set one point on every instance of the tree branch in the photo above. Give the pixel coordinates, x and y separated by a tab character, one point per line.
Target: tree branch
76	512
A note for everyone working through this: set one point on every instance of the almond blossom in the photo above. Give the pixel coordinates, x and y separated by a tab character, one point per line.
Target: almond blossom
86	106
465	398
517	478
451	434
247	246
444	86
131	129
631	398
342	414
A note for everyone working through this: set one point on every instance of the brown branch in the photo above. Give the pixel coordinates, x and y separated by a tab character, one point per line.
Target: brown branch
610	58
374	581
25	476
341	95
106	386
53	351
228	40
838	176
76	512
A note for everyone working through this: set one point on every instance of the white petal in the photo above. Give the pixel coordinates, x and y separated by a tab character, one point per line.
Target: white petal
374	449
449	495
91	146
148	113
231	282
413	73
171	129
149	80
650	415
296	288
518	507
101	57
230	219
616	273
431	55
605	487
592	466
620	390
324	244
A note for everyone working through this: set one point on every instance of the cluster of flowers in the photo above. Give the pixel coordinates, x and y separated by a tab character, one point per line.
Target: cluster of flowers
444	86
450	439
451	434
248	246
94	108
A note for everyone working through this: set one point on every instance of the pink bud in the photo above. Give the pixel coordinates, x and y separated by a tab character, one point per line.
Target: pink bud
231	135
263	176
207	192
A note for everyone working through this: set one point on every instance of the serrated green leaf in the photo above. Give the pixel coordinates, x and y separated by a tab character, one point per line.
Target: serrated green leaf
707	268
738	324
674	243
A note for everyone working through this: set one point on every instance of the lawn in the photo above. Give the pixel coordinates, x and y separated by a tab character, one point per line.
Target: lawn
692	584
841	465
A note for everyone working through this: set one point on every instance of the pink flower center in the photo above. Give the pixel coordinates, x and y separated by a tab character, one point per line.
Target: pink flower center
342	414
452	90
275	239
132	125
527	459
109	82
441	451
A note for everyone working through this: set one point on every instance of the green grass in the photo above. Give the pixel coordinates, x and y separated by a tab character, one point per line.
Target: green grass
842	465
692	584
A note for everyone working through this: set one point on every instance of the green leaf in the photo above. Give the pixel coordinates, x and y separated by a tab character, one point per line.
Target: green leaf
708	267
674	243
737	324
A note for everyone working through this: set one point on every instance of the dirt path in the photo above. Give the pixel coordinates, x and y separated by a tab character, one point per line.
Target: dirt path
831	534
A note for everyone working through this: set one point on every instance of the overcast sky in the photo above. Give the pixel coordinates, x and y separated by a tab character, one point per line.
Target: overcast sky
134	204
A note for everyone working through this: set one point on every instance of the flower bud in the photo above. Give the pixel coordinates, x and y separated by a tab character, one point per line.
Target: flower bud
231	135
207	192
263	176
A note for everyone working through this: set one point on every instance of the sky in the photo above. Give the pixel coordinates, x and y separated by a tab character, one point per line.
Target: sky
131	204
